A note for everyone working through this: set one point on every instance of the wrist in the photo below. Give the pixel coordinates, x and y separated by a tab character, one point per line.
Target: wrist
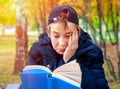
65	58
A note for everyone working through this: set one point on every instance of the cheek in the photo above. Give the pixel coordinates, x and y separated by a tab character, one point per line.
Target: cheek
65	41
54	42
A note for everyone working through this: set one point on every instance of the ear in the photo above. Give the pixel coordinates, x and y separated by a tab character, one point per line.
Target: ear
48	31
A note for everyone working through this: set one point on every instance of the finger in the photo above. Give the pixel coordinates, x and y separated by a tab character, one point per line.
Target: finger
70	40
75	35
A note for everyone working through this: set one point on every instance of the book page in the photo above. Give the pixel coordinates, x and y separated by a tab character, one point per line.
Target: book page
69	72
37	67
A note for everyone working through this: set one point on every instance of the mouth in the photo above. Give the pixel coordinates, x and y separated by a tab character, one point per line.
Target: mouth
61	50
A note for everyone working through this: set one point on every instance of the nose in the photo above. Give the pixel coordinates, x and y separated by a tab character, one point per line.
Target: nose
62	42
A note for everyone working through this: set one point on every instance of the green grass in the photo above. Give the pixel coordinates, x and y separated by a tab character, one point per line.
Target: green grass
7	59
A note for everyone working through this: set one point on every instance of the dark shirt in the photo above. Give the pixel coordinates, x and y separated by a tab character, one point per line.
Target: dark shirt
88	55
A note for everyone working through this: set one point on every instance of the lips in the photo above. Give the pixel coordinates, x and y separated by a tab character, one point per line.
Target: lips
62	50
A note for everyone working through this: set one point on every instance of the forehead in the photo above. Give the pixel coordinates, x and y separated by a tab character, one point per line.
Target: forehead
62	26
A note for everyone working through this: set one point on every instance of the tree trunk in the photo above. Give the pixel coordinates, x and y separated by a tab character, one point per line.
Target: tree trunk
21	45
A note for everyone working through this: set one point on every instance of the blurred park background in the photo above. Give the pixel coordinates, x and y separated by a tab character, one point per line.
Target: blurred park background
22	21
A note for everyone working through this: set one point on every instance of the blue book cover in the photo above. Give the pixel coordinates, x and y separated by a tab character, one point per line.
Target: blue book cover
67	76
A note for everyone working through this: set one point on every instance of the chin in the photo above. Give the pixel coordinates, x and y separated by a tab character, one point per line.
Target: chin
60	53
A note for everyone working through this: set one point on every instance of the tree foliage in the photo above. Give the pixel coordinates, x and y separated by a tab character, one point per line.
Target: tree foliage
39	11
7	13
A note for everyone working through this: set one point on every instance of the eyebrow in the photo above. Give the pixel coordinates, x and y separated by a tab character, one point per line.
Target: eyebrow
54	32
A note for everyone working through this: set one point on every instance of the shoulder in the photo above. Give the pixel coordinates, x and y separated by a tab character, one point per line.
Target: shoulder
91	50
90	56
34	48
88	52
86	44
94	52
38	46
42	47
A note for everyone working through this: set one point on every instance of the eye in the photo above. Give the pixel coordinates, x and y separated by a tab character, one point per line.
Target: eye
55	36
68	35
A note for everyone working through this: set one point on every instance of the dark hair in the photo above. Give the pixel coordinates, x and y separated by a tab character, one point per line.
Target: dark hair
63	16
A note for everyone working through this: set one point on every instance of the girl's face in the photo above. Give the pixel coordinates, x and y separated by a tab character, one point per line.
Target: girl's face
60	34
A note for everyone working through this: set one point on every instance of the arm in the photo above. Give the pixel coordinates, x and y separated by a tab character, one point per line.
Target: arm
91	62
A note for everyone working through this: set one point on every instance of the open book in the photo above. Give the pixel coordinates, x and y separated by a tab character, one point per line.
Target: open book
67	76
